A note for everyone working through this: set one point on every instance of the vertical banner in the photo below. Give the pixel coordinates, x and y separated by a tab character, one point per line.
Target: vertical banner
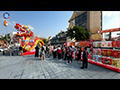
113	44
91	49
118	44
68	43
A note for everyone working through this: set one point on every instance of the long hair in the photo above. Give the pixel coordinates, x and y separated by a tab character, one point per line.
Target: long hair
42	48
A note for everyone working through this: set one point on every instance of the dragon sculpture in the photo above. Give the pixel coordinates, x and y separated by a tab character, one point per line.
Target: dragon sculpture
28	42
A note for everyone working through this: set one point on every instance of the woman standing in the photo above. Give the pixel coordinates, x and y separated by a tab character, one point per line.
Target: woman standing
43	53
54	52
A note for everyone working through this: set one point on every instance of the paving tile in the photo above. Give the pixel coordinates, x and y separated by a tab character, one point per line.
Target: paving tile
30	67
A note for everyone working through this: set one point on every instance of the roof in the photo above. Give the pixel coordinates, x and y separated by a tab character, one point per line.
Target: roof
71	25
73	16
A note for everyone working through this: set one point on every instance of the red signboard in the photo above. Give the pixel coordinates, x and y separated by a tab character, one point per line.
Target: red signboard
72	44
84	43
113	44
109	30
116	53
118	44
87	44
81	43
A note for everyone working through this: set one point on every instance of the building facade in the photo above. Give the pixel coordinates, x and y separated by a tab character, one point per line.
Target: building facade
59	39
81	20
90	20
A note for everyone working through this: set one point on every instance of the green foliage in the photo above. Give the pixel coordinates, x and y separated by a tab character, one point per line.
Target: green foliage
80	33
59	33
44	39
5	37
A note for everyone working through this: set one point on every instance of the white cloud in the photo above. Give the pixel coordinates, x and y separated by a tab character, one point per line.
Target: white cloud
110	13
10	23
2	19
30	27
14	22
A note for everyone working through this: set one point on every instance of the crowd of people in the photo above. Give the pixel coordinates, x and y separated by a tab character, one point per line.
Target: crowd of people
62	52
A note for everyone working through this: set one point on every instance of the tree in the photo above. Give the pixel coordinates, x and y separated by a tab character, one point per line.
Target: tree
78	32
44	39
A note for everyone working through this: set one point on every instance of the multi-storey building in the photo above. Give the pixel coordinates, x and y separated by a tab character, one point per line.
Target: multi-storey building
90	20
59	39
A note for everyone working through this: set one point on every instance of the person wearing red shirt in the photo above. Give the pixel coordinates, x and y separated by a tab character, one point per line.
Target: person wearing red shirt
59	52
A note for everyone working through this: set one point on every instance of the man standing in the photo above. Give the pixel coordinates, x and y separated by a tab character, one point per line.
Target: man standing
36	51
85	59
79	54
21	50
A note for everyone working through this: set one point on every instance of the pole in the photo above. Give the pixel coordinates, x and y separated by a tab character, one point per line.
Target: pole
110	36
6	34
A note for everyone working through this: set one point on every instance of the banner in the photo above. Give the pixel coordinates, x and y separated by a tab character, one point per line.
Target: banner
97	51
81	43
106	44
106	52
118	44
116	53
109	30
77	44
68	43
113	44
65	43
87	44
71	44
97	44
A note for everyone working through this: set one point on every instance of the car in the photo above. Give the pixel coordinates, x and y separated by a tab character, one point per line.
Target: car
16	50
8	50
5	50
1	49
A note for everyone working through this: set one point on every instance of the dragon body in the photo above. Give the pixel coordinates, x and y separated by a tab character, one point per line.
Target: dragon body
29	41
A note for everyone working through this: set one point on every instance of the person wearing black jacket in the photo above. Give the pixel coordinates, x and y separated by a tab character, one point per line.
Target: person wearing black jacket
65	53
36	51
85	59
79	54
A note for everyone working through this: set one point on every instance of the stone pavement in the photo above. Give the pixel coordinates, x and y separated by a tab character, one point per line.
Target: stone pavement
30	67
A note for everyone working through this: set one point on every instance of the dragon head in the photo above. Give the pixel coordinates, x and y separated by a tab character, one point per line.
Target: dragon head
23	30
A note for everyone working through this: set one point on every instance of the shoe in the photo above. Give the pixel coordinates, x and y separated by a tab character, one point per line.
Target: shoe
86	67
60	59
82	67
67	63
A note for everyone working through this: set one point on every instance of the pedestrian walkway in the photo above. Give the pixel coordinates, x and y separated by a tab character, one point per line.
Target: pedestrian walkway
30	67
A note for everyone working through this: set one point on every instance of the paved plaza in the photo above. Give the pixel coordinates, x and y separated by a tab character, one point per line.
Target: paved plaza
30	67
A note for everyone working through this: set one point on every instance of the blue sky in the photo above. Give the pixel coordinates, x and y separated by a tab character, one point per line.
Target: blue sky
43	23
49	23
111	19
